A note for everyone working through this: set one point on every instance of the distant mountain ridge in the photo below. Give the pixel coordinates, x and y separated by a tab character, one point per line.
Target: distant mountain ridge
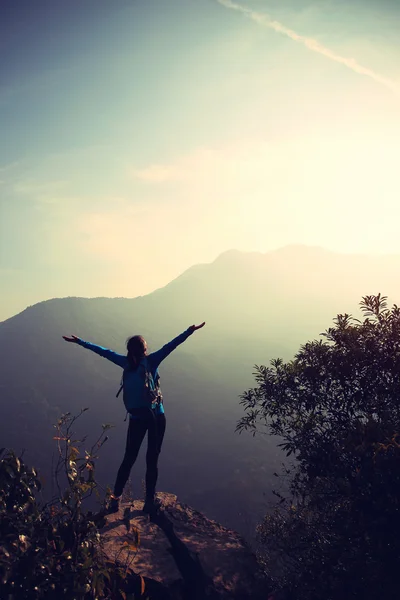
257	307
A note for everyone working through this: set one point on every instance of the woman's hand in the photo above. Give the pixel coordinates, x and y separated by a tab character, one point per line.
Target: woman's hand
72	339
196	327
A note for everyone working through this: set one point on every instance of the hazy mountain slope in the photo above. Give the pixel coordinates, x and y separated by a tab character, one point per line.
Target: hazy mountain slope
285	294
256	306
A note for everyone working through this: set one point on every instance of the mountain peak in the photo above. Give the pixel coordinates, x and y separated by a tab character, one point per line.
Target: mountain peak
302	249
290	249
234	256
232	252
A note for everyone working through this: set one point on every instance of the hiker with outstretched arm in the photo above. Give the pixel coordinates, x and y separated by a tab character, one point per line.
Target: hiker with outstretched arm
143	401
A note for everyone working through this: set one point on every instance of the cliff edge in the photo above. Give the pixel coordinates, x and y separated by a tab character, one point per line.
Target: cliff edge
180	554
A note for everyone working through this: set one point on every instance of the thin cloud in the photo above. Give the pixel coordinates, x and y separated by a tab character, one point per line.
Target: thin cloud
311	44
158	174
200	163
42	189
183	169
9	166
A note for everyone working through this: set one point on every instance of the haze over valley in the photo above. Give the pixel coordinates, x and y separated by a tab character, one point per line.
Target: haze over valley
257	307
164	163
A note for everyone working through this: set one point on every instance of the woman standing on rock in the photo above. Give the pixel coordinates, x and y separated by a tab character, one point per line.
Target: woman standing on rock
143	401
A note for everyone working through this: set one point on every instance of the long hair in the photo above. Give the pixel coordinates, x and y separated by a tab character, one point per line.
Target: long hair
137	348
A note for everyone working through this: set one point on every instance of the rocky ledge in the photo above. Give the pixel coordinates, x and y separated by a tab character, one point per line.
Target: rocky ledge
180	554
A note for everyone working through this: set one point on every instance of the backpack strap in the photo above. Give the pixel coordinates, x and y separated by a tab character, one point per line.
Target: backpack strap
120	389
148	374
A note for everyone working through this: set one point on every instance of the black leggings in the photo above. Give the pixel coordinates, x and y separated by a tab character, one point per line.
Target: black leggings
155	426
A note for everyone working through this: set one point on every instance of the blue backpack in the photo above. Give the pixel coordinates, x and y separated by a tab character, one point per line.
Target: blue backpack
139	388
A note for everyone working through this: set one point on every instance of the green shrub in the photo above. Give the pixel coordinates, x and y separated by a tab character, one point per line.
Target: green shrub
52	549
336	407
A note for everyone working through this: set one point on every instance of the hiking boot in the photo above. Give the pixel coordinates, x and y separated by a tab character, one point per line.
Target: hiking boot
113	506
151	506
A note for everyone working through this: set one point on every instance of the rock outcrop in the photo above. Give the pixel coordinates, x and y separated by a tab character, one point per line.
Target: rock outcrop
181	554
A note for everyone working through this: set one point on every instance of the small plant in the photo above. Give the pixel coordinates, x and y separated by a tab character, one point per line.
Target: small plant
53	550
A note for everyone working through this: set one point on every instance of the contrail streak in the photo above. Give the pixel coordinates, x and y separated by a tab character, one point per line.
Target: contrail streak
311	44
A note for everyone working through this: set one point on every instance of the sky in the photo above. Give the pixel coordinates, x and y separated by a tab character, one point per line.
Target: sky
140	137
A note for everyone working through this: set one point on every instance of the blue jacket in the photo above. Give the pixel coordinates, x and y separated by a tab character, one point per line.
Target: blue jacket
154	359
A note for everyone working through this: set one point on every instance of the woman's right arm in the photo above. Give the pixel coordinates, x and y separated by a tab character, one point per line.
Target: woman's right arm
117	359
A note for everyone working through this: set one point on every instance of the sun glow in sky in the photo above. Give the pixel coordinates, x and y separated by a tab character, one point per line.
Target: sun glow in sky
139	137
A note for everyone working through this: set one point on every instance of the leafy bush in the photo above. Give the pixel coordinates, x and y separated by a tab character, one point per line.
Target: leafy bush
53	550
336	407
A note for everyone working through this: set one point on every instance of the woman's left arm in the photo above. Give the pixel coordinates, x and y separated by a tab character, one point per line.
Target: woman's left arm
157	357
